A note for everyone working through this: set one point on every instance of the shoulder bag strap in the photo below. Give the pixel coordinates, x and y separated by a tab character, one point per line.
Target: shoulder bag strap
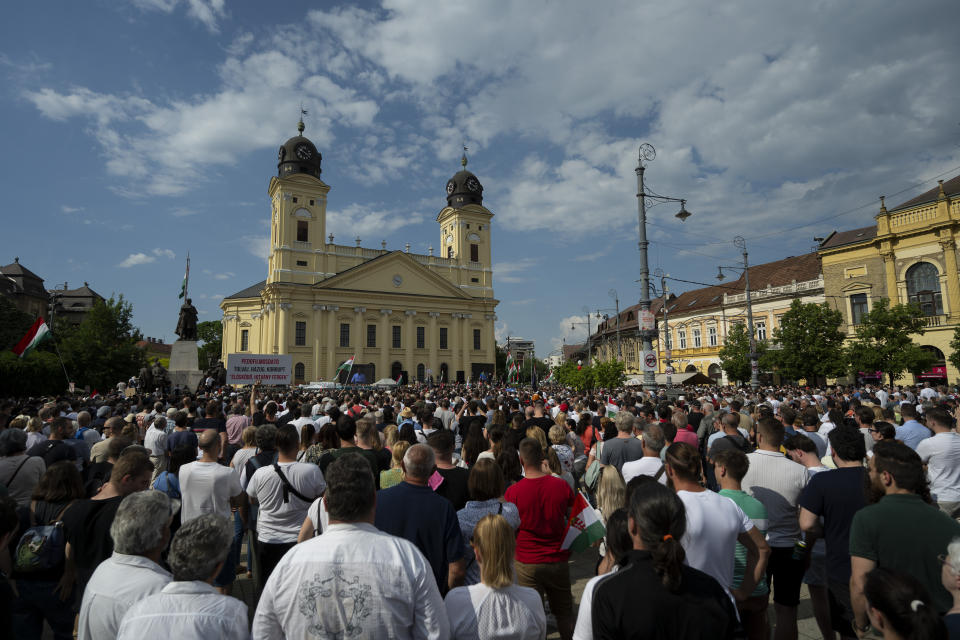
15	472
663	468
289	488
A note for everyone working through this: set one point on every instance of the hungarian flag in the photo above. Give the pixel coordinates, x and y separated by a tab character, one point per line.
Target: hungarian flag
346	366
584	527
399	378
509	362
612	407
37	334
549	378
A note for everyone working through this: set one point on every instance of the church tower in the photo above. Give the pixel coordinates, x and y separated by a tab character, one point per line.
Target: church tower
465	231
298	202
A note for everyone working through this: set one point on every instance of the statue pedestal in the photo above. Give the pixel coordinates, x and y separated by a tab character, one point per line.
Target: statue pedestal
184	365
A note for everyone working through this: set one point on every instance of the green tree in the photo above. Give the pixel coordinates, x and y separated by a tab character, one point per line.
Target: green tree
101	351
811	343
608	374
883	341
954	357
210	334
735	353
13	323
568	375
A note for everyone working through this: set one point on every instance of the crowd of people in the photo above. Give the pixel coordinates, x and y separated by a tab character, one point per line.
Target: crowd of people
446	512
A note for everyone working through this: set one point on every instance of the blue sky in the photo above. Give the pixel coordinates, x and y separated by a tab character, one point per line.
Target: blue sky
136	131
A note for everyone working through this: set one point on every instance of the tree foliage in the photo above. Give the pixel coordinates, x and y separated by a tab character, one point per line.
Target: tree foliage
603	374
735	353
13	323
101	351
811	343
883	341
954	356
37	373
210	334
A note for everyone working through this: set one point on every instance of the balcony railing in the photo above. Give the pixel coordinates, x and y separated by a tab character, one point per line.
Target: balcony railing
935	321
768	292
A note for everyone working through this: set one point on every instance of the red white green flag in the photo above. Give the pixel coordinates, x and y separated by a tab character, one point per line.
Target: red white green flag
37	334
584	527
346	366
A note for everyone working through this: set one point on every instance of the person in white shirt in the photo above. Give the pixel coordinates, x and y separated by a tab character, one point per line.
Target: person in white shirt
155	440
650	464
284	492
618	543
714	525
777	481
354	580
140	532
941	454
206	486
190	608
928	393
496	607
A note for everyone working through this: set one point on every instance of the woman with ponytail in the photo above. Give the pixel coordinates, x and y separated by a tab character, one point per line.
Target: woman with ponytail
678	601
899	607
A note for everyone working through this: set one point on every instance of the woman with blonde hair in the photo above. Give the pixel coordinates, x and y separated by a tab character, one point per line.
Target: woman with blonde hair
496	607
537	434
611	495
391	435
558	441
394	475
248	450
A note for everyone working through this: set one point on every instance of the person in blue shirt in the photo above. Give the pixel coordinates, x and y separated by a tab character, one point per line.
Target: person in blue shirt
911	432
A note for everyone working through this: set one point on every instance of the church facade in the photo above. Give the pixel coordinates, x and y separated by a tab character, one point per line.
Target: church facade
397	313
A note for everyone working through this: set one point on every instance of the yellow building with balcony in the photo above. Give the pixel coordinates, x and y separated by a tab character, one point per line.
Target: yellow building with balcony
399	313
908	255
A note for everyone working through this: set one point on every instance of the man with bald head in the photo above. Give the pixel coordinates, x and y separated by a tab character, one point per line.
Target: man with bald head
413	511
208	487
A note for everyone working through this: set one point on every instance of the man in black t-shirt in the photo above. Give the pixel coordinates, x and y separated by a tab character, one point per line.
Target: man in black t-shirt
454	485
539	418
54	449
87	522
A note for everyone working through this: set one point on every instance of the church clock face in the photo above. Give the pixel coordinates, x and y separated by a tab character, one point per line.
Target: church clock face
397	280
450	187
449	240
473	184
303	152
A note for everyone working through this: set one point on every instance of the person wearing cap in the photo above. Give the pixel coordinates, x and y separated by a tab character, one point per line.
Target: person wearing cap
140	531
103	414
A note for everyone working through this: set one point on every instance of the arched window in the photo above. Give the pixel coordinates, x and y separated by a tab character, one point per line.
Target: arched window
395	370
299	372
421	372
923	288
690	369
714	372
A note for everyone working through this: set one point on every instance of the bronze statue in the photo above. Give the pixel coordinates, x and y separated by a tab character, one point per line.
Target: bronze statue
187	323
159	375
145	380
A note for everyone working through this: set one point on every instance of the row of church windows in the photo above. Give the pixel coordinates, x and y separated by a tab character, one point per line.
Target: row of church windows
300	337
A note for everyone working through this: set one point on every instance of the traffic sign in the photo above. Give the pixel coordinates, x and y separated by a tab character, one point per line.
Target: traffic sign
670	370
649	361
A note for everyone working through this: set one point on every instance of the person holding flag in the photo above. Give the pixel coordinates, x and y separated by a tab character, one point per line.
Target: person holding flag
346	366
541	561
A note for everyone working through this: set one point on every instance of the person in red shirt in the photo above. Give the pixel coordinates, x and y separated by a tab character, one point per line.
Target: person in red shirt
544	503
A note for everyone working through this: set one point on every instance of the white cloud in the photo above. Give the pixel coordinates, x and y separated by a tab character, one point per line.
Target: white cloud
258	246
500	332
225	276
206	12
513	272
573	330
371	224
68	209
135	259
183	212
164	253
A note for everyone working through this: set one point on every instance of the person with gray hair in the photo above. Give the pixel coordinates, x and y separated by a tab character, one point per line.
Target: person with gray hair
413	511
334	584
625	447
140	532
650	464
19	472
190	608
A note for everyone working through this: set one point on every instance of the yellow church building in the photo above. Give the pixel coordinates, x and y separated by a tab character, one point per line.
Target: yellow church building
398	313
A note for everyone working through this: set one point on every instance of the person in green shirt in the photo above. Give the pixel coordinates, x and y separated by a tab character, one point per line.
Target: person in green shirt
900	530
730	466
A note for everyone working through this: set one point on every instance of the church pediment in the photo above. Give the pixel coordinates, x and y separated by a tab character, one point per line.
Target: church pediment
393	272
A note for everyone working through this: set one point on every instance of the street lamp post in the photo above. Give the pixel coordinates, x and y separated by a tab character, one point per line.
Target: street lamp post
740	243
648	153
573	326
616	302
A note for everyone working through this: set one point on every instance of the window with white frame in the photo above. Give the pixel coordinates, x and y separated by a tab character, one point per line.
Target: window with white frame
682	338
697	341
761	328
712	336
